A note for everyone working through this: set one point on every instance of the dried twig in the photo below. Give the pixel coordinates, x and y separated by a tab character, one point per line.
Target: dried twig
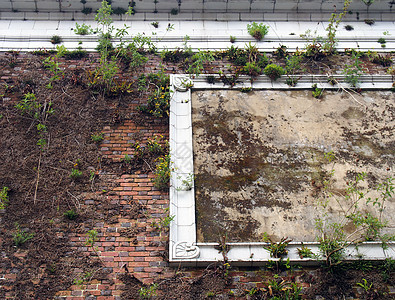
148	165
38	178
345	90
77	203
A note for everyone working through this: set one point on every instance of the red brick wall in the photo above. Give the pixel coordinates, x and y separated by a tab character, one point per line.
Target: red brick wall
128	241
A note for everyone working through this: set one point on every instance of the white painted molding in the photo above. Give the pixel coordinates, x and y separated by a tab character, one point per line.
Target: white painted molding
185	250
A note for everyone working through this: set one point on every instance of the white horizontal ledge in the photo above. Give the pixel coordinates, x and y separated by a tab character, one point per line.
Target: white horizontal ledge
204	34
253	254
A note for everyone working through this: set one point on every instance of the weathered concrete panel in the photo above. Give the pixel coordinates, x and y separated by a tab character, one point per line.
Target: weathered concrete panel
260	159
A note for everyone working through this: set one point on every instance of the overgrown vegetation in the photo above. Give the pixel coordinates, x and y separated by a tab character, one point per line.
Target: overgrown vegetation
20	237
361	208
162	172
318	47
354	70
4	197
37	108
293	66
316	92
38	113
158	103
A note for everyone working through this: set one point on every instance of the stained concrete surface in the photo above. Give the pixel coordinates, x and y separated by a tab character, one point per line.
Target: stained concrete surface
261	160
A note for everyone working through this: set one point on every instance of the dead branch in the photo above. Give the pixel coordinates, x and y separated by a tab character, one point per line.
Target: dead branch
38	178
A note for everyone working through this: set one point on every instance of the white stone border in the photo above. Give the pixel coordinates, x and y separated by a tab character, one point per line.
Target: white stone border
204	34
183	247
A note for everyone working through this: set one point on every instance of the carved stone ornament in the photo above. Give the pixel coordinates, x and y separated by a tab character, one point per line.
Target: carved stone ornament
182	83
186	250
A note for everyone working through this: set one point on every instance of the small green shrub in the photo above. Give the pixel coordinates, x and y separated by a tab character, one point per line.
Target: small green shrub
91	238
273	71
84	278
317	92
292	81
365	285
276	250
155	24
293	66
384	60
186	184
197	61
251	69
55	39
232	39
283	289
354	70
305	252
29	105
4	197
105	44
382	41
236	55
62	51
82	29
158	103
148	292
127	159
258	31
246	89
21	236
97	137
262	60
76	54
162	172
52	65
348	27
75	173
70	214
43	52
391	70
154	146
281	51
174	11
173	56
